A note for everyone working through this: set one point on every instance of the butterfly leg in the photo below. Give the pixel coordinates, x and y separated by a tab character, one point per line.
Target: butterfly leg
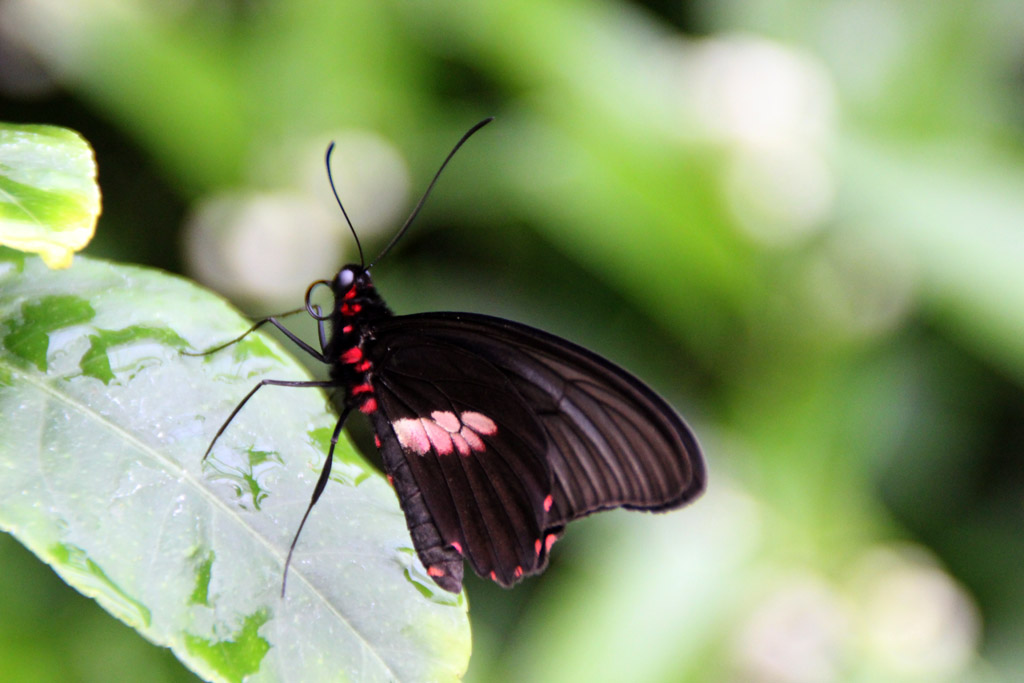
325	474
321	329
319	355
264	383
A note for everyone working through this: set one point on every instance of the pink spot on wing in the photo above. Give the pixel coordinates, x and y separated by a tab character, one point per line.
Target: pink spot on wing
479	423
475	442
549	541
537	545
369	406
548	502
353	355
443	432
438	436
391	483
447	420
518	572
457	546
376	441
411	435
461	445
494	577
435	571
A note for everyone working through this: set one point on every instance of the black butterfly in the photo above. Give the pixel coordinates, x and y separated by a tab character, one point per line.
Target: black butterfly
494	435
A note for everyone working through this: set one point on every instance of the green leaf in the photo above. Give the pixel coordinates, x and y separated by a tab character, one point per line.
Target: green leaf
49	199
104	425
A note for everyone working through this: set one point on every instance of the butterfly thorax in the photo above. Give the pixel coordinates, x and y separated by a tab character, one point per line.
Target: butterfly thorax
356	307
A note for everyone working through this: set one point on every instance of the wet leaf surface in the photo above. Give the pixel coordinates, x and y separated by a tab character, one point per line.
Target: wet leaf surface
104	424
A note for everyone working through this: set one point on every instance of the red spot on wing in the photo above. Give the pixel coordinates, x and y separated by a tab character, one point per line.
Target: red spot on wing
435	571
353	355
548	502
494	577
391	482
518	573
549	541
376	441
369	406
457	546
537	545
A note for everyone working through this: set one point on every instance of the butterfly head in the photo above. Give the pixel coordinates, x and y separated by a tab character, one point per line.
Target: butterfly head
349	276
355	297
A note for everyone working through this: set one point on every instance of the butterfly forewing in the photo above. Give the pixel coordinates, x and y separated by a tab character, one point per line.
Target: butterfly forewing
508	433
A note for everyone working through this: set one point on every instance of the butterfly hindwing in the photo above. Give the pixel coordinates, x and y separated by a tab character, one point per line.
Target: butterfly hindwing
506	433
473	449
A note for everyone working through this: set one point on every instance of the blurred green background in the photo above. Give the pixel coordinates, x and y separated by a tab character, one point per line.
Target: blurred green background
802	222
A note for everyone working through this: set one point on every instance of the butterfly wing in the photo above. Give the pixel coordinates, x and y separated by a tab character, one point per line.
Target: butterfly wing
496	435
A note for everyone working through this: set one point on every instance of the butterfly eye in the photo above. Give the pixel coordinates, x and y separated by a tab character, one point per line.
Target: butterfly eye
346	276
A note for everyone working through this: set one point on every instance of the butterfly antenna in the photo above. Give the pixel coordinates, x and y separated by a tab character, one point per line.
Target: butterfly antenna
423	199
327	160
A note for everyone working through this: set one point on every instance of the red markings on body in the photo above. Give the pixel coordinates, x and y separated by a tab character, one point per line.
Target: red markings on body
391	483
435	571
548	502
350	294
369	406
353	355
364	366
376	441
362	389
444	432
457	546
350	309
347	329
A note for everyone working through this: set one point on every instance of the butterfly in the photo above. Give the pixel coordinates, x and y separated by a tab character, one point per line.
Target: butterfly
494	435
